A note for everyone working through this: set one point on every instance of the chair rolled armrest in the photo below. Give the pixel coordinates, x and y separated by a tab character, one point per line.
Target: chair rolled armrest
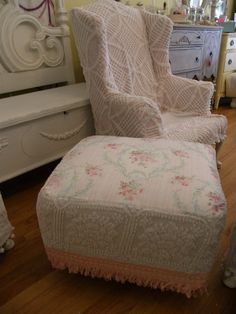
185	95
133	116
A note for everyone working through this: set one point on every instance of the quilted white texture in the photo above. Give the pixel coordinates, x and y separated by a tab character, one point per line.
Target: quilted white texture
157	203
124	53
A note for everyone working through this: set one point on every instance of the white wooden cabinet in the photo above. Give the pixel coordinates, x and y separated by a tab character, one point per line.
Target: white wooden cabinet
227	64
194	51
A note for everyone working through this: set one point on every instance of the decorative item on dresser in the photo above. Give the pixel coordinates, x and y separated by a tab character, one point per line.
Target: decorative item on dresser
194	51
41	125
227	65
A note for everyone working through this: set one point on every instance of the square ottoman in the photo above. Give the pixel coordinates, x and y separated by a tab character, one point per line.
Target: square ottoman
146	211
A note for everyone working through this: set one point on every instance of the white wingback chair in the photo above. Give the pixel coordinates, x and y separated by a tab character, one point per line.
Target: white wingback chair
124	53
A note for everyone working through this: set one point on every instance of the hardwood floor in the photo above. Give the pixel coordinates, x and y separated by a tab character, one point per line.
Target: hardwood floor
29	285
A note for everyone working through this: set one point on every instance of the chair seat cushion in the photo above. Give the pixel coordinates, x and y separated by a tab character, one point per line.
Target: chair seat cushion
144	210
207	129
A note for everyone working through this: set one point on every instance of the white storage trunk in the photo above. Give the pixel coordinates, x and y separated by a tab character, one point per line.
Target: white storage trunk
39	127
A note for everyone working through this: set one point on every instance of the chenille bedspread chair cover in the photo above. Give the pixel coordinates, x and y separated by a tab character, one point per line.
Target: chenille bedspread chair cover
6	229
124	53
141	210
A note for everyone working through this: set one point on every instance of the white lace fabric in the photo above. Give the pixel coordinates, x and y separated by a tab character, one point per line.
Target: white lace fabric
124	50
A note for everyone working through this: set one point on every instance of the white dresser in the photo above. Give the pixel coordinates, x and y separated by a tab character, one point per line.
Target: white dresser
194	51
227	64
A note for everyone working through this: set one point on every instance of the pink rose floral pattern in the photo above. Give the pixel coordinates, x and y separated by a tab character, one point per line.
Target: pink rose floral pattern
112	146
130	189
92	170
181	153
182	180
141	158
216	202
131	171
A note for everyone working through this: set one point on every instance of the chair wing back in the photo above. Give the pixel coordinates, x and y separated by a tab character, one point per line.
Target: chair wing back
114	50
159	29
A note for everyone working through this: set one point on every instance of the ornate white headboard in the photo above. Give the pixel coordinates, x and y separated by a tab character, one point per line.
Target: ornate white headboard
32	54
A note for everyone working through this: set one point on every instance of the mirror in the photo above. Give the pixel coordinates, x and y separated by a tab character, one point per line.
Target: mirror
199	3
217	7
195	3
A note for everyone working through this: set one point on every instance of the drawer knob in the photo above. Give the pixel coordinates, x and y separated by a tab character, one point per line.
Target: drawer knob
230	62
198	37
197	59
231	43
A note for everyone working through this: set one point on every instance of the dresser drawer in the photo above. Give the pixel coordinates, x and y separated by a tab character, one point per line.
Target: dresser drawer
186	38
230	62
185	60
231	43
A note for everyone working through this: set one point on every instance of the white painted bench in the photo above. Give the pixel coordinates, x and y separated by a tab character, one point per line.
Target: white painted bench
41	125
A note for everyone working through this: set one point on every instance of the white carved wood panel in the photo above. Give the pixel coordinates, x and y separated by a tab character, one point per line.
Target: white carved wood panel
27	45
186	37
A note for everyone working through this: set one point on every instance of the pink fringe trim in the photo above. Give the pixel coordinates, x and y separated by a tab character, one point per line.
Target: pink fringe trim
186	283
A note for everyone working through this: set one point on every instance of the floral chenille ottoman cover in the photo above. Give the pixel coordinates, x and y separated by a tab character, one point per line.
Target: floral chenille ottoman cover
145	211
